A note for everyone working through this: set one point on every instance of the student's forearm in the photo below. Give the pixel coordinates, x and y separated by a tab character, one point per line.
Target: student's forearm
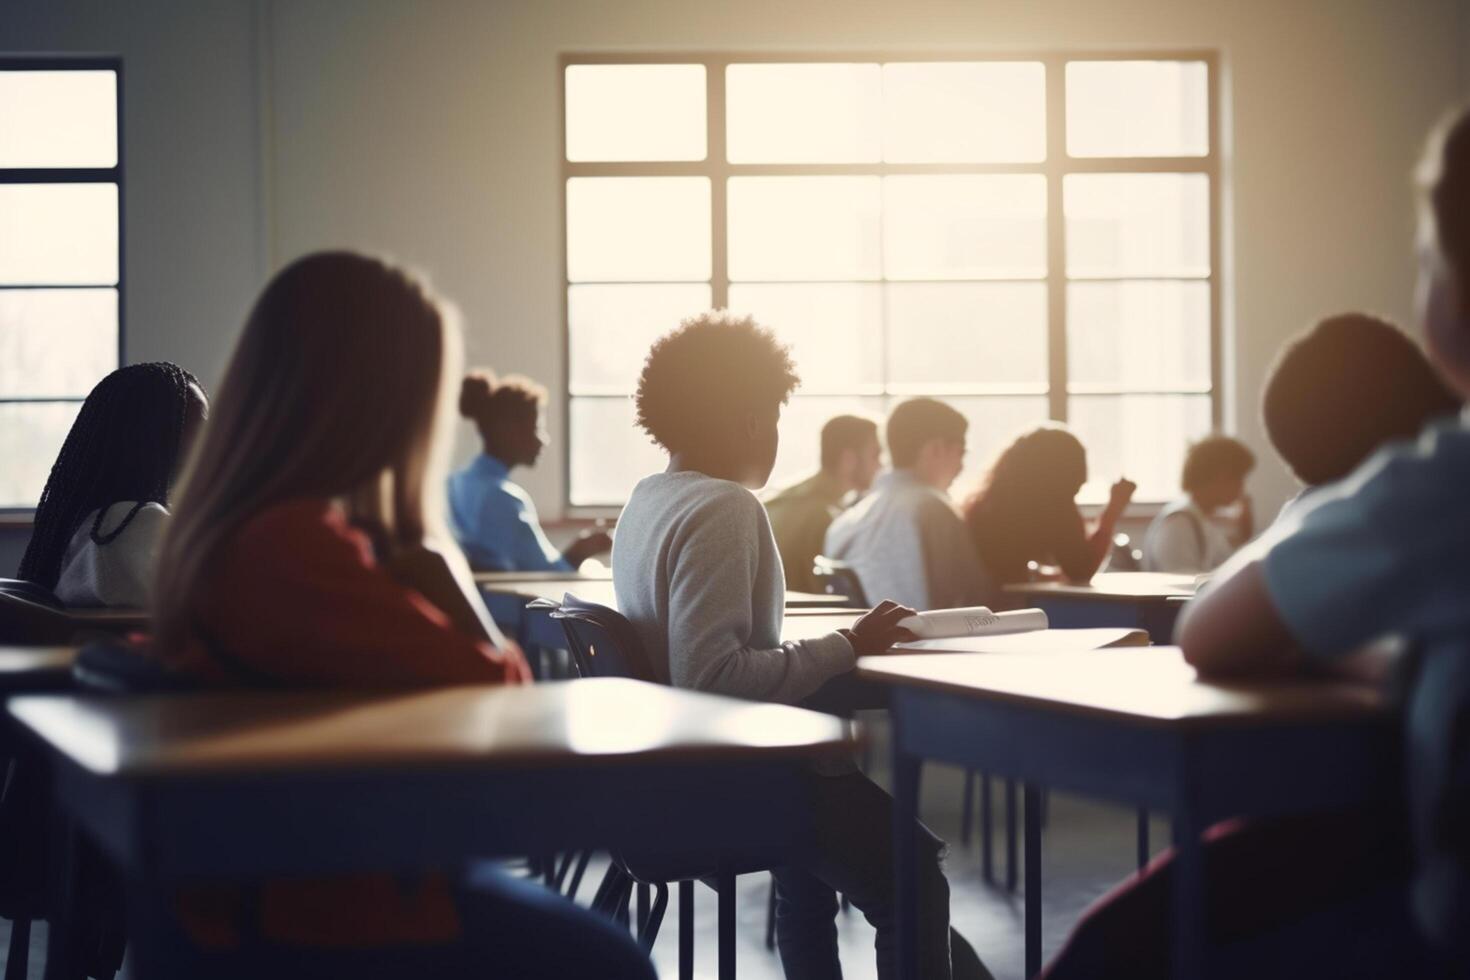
1233	630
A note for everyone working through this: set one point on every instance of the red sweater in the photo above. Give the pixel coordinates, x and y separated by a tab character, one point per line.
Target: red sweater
296	598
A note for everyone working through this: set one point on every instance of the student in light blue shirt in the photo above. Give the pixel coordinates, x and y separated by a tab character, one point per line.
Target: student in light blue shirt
493	518
1382	555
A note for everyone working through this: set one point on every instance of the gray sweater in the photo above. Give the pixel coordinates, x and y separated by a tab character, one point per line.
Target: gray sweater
697	573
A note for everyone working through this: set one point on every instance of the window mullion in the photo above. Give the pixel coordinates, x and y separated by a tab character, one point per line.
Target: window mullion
1056	243
719	172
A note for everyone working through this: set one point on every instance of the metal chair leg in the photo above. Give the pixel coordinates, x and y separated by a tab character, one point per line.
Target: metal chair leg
686	930
642	911
655	917
967	808
581	869
1012	868
987	843
18	958
771	915
727	925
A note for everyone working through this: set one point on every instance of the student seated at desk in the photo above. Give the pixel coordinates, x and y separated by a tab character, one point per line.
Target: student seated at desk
303	553
1382	553
1340	391
801	513
1026	510
105	505
493	518
1188	535
697	574
904	539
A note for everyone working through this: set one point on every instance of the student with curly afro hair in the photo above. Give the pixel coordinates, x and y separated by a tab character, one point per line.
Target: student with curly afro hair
698	575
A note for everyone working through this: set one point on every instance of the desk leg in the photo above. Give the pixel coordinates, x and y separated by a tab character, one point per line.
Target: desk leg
727	925
906	858
1011	868
1143	848
1189	898
1033	878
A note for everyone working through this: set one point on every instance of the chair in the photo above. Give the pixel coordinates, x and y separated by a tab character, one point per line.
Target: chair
32	591
838	578
24	620
604	644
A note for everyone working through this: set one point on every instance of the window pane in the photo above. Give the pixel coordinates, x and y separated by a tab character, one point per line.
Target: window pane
964	226
612	328
58	119
803	228
638	228
1147	335
994	423
834	329
608	453
826	113
801	432
58	234
970	333
56	343
1142	437
1137	225
1137	109
635	112
939	112
30	439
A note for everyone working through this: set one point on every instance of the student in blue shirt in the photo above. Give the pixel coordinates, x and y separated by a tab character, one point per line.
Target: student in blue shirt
1380	555
493	518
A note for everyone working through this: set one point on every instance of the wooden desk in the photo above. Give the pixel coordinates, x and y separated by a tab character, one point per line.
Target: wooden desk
250	785
1139	600
1135	726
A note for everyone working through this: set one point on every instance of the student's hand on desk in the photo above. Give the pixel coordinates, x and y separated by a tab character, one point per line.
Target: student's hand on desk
588	544
878	629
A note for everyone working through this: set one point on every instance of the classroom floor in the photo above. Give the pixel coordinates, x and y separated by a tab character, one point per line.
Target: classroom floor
1086	849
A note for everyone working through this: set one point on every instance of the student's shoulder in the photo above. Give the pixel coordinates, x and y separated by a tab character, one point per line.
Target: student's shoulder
1411	479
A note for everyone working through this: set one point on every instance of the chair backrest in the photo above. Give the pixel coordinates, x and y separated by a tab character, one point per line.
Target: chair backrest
32	591
838	578
1437	743
603	642
24	620
110	667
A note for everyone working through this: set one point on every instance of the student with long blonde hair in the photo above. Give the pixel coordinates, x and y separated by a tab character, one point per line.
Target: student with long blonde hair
304	552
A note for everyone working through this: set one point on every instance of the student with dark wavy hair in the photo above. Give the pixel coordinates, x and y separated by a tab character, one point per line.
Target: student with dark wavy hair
102	514
698	575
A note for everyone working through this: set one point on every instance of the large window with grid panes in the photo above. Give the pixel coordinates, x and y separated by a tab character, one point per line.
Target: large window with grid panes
61	268
1028	237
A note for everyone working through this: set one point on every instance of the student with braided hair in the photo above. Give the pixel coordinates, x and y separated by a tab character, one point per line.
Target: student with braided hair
105	505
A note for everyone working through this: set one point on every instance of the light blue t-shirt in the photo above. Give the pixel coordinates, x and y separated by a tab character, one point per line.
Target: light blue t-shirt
1385	551
495	521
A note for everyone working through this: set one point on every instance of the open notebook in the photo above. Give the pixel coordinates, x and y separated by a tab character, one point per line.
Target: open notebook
978	630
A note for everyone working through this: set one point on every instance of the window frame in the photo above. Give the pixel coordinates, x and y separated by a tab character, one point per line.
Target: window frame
1055	167
74	175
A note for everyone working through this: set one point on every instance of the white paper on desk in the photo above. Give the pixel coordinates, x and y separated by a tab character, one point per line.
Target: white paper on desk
937	624
1035	641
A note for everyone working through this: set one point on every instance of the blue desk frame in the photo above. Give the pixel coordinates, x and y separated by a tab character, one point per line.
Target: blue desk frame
1199	774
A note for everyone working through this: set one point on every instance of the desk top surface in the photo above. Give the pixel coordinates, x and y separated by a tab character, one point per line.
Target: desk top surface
1123	586
491	579
543	725
1136	685
33	660
600	591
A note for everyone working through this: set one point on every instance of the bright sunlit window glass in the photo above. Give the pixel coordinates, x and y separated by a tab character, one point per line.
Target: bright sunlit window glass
58	119
1138	109
61	294
638	229
819	113
635	112
970	226
804	228
890	221
962	112
1137	225
58	234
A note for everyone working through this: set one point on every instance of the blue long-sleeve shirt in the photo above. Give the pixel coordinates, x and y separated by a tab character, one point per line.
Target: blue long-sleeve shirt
496	523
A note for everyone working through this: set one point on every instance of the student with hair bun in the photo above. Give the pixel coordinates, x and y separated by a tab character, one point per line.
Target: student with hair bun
494	519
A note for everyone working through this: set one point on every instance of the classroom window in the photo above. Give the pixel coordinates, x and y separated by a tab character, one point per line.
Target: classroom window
61	258
1028	237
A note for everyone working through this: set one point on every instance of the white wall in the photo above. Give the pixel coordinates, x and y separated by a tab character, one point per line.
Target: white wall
428	130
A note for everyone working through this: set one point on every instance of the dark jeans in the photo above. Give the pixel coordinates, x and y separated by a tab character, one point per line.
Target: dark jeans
510	929
853	854
1316	896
